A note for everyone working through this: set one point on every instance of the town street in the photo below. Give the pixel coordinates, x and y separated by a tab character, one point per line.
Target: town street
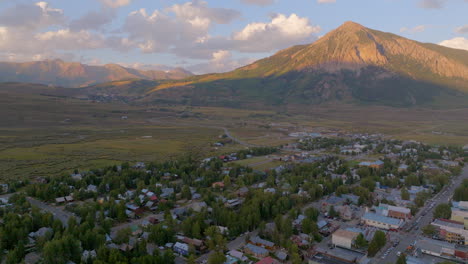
421	219
58	212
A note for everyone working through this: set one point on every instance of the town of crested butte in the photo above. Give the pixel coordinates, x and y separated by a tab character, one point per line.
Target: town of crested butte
234	131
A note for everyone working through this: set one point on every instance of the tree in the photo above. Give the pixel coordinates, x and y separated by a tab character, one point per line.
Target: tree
401	259
361	241
429	230
186	193
405	194
443	211
378	241
217	257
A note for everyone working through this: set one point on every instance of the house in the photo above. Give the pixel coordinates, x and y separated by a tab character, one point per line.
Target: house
197	243
344	238
242	192
282	255
238	255
69	198
60	200
41	232
76	176
197	206
345	211
219	185
181	248
380	221
92	188
262	243
256	251
88	254
403	168
233	203
268	260
301	240
167	192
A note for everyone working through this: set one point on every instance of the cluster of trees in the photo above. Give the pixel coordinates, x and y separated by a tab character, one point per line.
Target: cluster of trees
378	241
257	151
321	143
67	243
461	192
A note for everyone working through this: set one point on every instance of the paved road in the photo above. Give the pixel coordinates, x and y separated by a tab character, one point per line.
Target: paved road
422	218
58	212
228	134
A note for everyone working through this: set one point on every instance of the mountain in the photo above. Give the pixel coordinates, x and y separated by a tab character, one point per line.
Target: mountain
351	63
74	74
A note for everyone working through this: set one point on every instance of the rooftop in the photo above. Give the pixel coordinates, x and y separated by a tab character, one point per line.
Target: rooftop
381	219
345	233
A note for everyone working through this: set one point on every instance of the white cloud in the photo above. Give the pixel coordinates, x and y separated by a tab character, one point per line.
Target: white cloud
93	20
280	32
456	43
258	2
176	29
116	3
462	29
31	16
221	61
326	1
416	29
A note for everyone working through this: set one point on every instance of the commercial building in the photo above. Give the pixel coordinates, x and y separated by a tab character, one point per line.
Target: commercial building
460	216
394	211
452	231
344	238
442	249
380	221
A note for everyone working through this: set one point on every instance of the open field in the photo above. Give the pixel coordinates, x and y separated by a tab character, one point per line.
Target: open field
44	135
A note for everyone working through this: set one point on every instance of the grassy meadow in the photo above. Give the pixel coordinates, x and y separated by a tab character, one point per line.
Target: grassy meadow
44	135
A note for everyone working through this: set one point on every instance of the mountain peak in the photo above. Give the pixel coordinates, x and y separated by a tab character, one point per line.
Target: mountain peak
351	25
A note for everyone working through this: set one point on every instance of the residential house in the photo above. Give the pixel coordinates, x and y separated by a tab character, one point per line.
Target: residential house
256	251
181	248
262	243
268	260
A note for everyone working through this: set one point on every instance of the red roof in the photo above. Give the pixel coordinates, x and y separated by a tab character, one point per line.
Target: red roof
268	260
153	198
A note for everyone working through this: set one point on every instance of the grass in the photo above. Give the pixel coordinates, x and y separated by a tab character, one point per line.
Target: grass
43	135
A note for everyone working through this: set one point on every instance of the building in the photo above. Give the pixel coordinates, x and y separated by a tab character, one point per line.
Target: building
452	231
256	251
344	238
181	248
393	211
460	216
442	249
262	243
380	221
268	260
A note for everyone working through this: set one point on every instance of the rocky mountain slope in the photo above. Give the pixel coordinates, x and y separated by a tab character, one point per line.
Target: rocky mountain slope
350	63
73	74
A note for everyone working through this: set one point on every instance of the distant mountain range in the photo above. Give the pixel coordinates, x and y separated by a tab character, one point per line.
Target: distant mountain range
351	64
74	74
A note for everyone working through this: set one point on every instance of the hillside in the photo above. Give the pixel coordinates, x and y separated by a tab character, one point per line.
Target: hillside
351	63
73	74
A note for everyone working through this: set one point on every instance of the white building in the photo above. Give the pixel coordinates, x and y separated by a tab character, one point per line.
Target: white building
344	238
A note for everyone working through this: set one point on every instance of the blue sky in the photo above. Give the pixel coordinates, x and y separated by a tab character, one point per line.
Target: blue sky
207	35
